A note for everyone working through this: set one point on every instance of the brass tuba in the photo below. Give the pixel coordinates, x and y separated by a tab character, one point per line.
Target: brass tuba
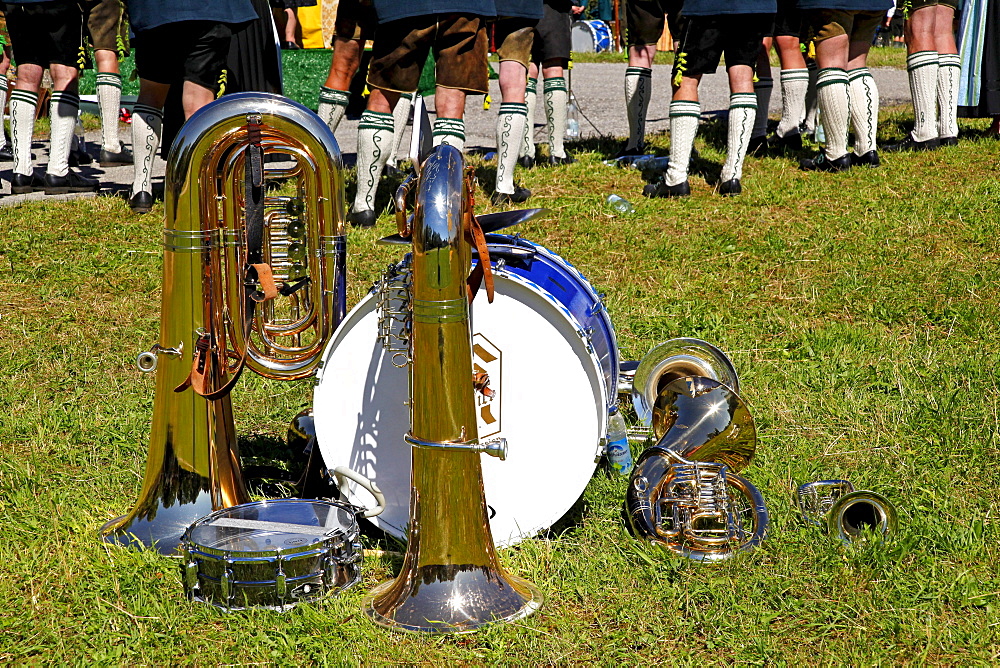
685	493
451	580
217	170
846	513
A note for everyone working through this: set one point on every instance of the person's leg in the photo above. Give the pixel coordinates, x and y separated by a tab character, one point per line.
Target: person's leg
400	117
335	95
864	104
64	108
922	71
685	112
511	122
638	92
195	96
762	87
5	152
949	73
147	126
527	157
449	126
23	109
375	132
832	49
109	99
743	111
556	98
291	27
794	84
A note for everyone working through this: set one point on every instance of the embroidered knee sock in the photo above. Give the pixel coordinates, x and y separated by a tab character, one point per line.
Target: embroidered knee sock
762	89
556	97
510	131
374	144
22	125
400	116
949	73
147	126
684	116
109	98
638	90
831	94
530	99
63	111
794	84
332	105
449	131
922	71
863	100
743	111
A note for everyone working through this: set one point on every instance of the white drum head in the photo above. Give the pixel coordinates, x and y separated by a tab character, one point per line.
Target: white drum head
550	406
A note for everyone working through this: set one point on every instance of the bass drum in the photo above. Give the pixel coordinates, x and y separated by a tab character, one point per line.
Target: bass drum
550	405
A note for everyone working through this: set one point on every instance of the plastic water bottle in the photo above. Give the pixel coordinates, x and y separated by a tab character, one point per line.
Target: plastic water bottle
820	131
620	204
619	454
652	163
572	118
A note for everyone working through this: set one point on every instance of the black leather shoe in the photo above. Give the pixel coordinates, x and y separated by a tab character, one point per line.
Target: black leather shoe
71	183
115	159
869	159
25	183
365	218
290	46
519	195
730	188
942	141
79	157
526	161
661	189
141	202
5	154
790	142
820	163
757	146
911	144
565	160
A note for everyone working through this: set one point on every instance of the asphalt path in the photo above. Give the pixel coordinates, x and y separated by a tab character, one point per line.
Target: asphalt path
598	88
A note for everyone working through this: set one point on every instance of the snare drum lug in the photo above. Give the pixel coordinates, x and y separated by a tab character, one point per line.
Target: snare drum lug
225	582
280	583
190	573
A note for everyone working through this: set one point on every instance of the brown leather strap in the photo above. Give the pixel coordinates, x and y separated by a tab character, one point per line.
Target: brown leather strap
482	273
268	289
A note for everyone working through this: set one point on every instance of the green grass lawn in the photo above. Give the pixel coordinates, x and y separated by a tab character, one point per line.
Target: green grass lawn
860	309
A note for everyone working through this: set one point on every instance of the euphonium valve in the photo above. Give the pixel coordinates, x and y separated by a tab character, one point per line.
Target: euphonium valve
846	513
212	319
451	580
684	493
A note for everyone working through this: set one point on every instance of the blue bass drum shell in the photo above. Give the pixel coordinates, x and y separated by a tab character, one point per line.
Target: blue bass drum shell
568	287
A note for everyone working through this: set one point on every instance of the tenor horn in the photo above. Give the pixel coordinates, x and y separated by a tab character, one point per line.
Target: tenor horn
685	493
210	321
846	513
451	580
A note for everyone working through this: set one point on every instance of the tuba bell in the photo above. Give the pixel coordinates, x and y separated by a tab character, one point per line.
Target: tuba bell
845	513
451	580
214	318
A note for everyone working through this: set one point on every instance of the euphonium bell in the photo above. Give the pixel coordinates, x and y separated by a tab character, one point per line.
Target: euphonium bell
684	493
451	580
216	181
846	513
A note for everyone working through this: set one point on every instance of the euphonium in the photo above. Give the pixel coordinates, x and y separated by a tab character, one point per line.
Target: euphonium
684	494
215	182
451	580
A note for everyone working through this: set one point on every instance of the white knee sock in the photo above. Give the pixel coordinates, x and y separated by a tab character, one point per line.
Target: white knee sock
922	70
332	105
63	111
638	90
762	89
949	73
743	111
374	144
556	98
147	125
863	100
23	106
449	131
794	84
3	105
831	94
109	98
530	99
400	116
510	131
684	117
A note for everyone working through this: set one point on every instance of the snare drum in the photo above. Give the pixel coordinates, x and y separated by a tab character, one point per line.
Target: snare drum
271	554
551	401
